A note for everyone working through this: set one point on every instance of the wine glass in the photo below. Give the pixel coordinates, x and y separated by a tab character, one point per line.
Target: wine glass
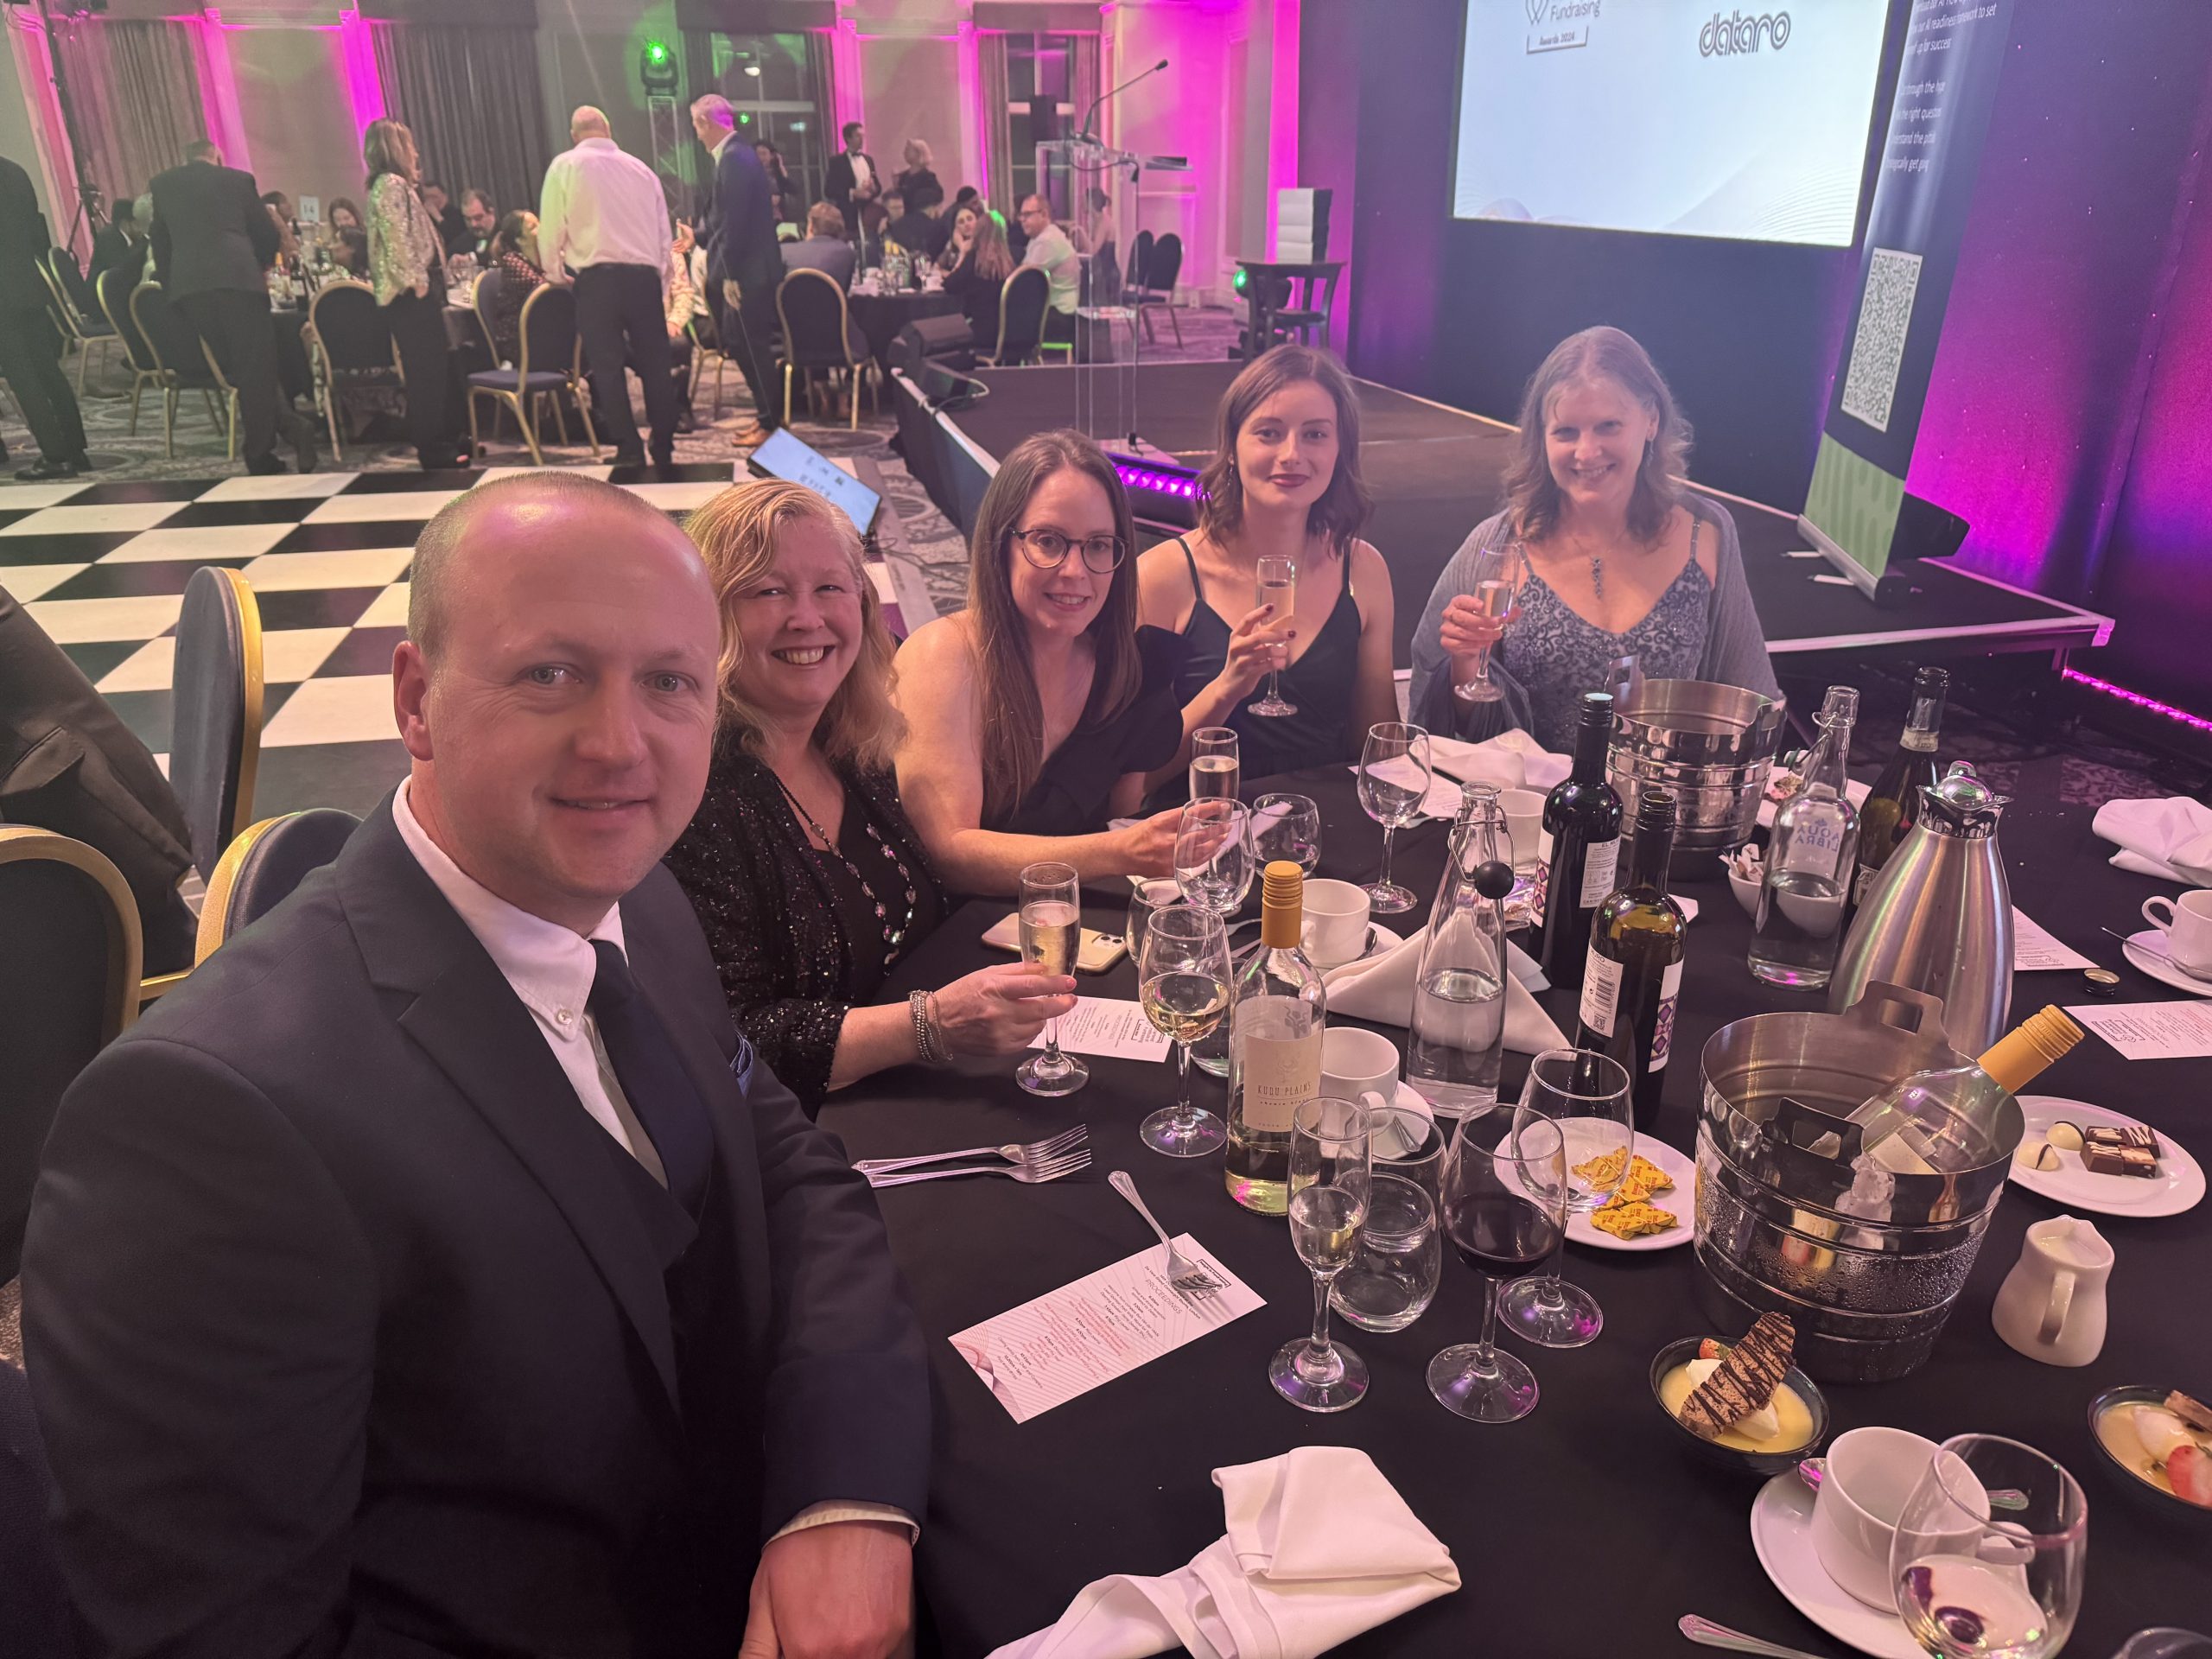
1213	763
1330	1190
1213	854
1183	976
1286	826
1504	1186
1494	571
1989	1550
1587	1096
1277	585
1146	900
1394	779
1051	922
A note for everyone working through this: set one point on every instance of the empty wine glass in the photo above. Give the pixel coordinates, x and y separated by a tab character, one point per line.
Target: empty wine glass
1393	1271
1277	585
1145	899
1183	980
1587	1096
1394	779
1214	764
1051	924
1213	854
1503	1209
1495	572
1330	1190
1974	1585
1286	826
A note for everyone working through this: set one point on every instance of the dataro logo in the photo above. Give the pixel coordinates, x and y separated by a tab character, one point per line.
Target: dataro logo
1726	36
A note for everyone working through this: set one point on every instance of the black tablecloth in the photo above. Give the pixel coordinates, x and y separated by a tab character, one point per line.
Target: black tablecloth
880	316
1587	1528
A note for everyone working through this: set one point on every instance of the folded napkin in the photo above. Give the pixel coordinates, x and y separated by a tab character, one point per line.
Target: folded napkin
1319	1548
1512	759
1381	988
2171	838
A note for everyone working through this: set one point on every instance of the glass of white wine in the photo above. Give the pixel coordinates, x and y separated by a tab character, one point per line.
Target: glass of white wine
1989	1551
1496	587
1214	765
1183	980
1277	585
1051	927
1331	1146
1394	778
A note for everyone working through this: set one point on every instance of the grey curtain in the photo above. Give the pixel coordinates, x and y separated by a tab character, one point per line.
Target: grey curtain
472	98
998	133
1082	77
135	89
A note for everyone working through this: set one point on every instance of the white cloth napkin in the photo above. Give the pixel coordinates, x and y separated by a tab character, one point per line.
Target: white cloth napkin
1319	1548
1381	988
1512	759
2170	839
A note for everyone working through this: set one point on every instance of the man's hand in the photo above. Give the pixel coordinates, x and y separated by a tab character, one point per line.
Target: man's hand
732	294
843	1590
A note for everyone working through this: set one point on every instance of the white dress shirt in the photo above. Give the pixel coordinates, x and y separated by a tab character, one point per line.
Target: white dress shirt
863	174
1051	250
603	207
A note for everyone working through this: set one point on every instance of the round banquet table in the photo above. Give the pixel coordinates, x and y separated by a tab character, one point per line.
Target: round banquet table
1586	1528
880	316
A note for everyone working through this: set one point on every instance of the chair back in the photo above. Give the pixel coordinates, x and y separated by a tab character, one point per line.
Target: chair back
484	300
258	870
811	306
1164	266
76	292
548	328
1140	258
351	329
114	288
172	342
215	732
68	987
1022	302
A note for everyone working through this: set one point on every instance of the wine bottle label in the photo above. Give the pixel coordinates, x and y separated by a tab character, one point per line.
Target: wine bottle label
1662	1034
1601	993
1601	864
1278	1074
1540	880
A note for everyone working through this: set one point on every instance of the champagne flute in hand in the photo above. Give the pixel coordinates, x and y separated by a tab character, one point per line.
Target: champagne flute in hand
1051	925
1394	779
1505	1180
1492	598
1587	1094
1183	980
1331	1153
1277	585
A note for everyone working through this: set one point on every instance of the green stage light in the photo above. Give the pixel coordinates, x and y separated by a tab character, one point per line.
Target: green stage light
657	68
656	52
1241	281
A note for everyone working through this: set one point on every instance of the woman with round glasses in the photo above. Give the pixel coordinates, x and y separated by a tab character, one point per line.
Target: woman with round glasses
1033	715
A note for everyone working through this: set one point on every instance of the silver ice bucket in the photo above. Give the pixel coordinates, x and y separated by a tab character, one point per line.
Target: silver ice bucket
1712	745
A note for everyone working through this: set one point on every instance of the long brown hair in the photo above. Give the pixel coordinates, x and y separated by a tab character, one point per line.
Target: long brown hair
1013	714
1532	495
988	253
1337	516
380	153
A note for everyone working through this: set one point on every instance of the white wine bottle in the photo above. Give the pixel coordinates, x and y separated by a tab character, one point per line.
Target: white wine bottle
1635	968
1276	1016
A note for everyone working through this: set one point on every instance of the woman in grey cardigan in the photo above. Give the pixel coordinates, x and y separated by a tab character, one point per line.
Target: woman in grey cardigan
1610	555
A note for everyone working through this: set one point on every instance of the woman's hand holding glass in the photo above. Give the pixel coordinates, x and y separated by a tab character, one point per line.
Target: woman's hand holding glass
1183	985
1000	1010
1475	620
1257	646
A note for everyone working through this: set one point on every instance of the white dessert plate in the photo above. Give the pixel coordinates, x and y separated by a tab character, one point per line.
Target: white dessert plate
2178	1186
1676	1201
1781	1534
2147	950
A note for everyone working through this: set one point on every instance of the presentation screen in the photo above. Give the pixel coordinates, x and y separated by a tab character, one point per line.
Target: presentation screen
1669	115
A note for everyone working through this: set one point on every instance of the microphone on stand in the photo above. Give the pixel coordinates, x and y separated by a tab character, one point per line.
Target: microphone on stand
1085	135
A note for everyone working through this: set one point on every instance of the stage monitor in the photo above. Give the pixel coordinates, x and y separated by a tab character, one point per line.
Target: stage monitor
781	455
1669	116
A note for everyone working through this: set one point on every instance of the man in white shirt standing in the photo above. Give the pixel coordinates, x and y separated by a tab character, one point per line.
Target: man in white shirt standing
1050	250
603	224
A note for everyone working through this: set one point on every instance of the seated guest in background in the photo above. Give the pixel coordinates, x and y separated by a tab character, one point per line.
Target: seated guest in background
963	195
453	234
483	222
1284	481
921	230
1617	559
683	305
514	256
780	180
288	230
544	1321
978	278
1048	247
349	238
960	237
825	247
1033	715
115	239
918	180
808	879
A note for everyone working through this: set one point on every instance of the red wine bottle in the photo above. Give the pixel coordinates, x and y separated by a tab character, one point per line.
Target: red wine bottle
1634	967
1582	816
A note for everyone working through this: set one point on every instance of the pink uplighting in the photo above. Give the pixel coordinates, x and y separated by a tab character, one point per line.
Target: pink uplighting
364	87
2137	700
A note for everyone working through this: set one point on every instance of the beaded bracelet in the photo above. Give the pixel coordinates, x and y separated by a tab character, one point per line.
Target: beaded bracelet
923	1005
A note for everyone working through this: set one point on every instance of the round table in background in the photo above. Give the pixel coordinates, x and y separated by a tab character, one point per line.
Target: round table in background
880	316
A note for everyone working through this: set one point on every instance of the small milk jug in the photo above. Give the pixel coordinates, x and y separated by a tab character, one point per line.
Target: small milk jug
2051	1307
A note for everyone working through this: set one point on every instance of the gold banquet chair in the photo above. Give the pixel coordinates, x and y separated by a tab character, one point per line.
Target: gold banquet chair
258	871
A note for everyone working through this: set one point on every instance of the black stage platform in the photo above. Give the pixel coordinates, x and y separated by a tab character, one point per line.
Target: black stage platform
1435	473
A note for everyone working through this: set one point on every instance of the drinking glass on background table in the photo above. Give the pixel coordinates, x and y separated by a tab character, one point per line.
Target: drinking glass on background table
1394	778
1147	898
1971	1586
1214	766
1495	571
1504	1210
1394	1270
1330	1190
1587	1095
1277	585
1051	926
1183	980
1286	826
1213	854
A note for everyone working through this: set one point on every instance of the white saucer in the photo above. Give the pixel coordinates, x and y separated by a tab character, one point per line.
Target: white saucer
2146	951
1383	939
2178	1186
1781	1534
1677	1201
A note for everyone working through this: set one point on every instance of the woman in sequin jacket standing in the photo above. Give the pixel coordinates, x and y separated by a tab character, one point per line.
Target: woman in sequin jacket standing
406	269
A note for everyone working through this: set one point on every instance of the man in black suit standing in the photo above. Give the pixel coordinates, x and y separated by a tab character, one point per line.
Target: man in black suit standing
437	1273
214	241
30	349
745	265
851	179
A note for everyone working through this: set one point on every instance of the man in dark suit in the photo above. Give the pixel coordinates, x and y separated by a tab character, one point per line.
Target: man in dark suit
436	1272
30	346
214	241
113	242
745	265
851	181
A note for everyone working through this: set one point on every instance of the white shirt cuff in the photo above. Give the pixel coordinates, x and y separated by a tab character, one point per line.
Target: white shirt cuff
835	1510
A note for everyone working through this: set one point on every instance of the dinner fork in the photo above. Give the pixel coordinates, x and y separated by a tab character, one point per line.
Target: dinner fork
1185	1274
1708	1634
1029	1174
1034	1151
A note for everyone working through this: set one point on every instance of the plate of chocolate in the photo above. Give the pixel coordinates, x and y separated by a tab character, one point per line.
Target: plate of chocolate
2090	1158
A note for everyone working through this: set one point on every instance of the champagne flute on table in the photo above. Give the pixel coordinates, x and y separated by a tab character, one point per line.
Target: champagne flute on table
1497	587
1286	826
1213	854
1183	986
1051	925
1394	778
1331	1147
1214	766
1975	1580
1504	1182
1277	585
1587	1095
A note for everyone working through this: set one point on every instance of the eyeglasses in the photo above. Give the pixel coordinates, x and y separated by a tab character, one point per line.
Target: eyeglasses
1048	549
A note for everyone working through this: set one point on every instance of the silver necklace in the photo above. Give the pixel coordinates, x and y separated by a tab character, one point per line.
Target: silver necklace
894	938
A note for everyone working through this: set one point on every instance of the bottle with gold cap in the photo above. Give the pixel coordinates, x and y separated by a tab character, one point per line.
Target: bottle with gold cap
1276	1016
1946	1121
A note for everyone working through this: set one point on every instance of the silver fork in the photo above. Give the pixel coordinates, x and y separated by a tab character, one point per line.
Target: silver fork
1185	1274
1708	1634
1014	1152
1052	1170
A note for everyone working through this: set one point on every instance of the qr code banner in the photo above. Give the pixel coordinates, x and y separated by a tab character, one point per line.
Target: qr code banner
1869	386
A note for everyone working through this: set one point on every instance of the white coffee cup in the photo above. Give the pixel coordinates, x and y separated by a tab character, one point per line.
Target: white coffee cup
1335	930
1524	822
1867	1478
1355	1061
2187	927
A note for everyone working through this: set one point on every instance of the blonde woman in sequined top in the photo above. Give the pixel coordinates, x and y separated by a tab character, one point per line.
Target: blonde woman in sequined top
406	269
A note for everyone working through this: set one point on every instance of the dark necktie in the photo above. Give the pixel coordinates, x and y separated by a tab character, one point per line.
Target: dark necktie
653	1079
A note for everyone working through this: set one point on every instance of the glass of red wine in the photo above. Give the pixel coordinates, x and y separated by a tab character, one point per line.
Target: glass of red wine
1505	1191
